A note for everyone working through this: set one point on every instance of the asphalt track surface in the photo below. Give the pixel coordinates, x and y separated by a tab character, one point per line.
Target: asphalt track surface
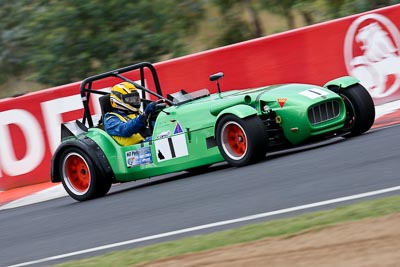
168	203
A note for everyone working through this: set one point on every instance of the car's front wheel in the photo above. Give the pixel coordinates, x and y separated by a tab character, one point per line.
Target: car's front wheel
79	175
241	141
360	109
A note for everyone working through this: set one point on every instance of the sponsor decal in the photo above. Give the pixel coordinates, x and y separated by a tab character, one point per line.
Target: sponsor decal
164	134
314	93
371	54
171	147
282	101
138	157
178	128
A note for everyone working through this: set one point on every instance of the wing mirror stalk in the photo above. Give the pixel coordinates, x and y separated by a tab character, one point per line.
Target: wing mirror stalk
216	77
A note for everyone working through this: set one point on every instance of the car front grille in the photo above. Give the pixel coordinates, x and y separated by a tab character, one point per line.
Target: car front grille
324	112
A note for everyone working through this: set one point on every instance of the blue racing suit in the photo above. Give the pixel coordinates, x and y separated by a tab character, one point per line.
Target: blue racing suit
125	127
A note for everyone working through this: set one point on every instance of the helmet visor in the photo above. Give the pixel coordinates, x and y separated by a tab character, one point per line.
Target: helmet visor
132	99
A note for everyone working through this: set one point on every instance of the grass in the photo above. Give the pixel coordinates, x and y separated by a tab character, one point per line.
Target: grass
281	227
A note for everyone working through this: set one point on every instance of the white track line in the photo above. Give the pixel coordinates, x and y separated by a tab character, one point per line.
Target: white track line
211	225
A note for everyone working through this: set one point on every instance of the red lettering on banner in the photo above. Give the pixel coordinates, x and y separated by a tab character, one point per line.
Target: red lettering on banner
18	141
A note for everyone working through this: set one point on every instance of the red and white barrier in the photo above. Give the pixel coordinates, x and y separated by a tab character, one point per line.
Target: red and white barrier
365	46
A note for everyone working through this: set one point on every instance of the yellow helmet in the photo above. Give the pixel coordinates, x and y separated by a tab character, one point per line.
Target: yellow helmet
125	96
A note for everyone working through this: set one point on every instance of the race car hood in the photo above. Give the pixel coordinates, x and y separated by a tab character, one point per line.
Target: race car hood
300	94
295	97
278	96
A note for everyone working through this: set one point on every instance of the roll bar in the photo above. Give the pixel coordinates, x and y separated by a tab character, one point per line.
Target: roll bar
86	86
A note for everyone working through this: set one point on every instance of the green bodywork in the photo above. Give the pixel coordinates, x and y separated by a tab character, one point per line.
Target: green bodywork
342	82
184	135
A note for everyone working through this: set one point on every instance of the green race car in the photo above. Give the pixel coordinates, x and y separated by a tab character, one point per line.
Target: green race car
193	130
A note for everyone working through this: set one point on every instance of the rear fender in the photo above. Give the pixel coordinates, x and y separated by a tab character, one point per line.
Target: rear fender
90	148
342	82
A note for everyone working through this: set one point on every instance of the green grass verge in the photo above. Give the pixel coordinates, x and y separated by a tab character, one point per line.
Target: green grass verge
281	227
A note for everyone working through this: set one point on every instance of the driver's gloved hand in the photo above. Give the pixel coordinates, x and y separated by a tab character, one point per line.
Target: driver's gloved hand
150	109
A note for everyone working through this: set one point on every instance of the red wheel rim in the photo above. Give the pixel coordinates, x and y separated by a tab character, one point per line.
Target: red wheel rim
234	140
76	173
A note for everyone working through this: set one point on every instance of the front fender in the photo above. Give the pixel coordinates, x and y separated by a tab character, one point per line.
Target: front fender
342	82
241	111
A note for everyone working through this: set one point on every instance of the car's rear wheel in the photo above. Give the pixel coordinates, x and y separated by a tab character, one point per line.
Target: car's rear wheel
79	176
241	141
360	109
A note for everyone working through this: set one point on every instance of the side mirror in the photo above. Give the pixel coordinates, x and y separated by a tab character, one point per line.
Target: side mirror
216	76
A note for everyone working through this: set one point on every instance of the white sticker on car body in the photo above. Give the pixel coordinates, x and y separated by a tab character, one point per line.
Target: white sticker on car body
314	93
171	147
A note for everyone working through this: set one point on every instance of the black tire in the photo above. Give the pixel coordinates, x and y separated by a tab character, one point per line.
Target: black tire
241	141
80	177
360	109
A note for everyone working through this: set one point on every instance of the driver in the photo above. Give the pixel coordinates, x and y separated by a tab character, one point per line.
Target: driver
126	123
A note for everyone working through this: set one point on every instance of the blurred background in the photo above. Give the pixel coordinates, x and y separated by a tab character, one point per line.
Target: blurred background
54	42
